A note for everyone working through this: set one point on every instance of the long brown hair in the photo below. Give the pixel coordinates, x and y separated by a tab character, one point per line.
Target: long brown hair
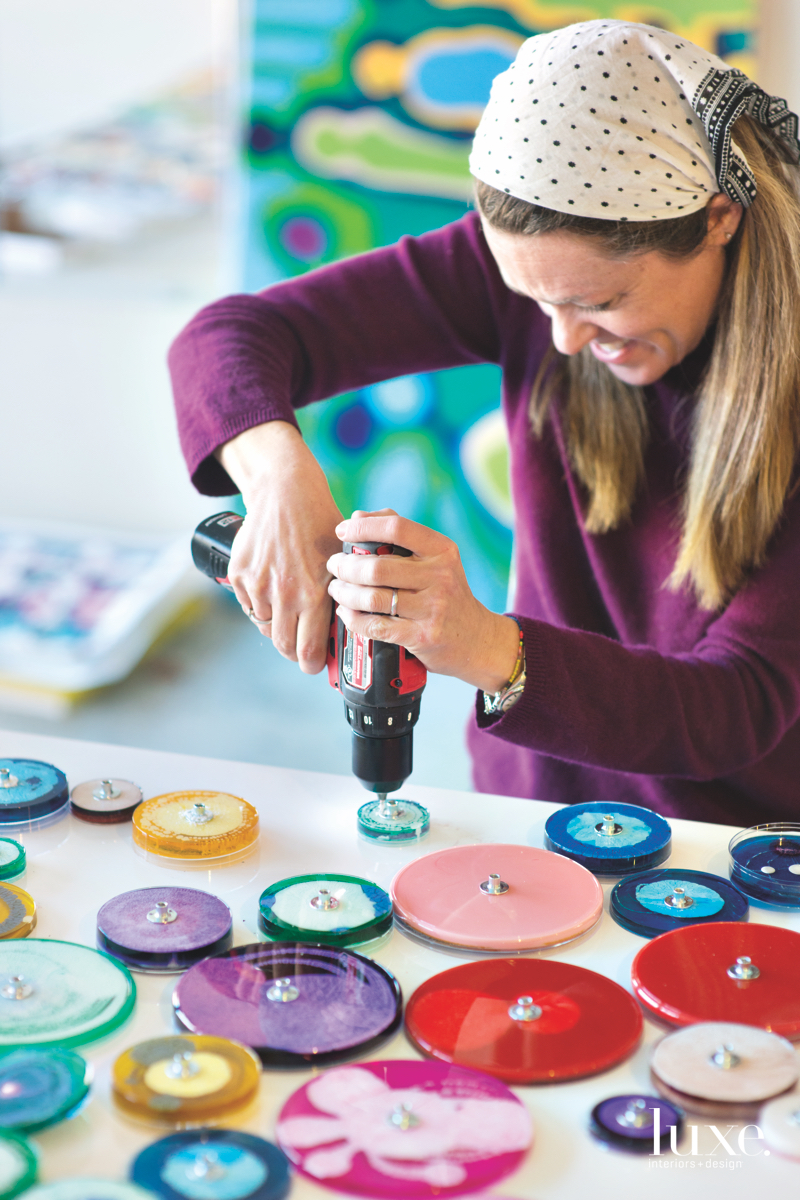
746	423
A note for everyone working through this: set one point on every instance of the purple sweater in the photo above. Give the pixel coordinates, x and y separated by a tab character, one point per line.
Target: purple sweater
633	692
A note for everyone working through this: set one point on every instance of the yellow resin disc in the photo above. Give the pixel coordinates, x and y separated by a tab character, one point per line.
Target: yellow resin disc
195	825
17	912
185	1080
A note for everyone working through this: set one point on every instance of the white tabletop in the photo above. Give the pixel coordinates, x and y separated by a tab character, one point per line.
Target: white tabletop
308	824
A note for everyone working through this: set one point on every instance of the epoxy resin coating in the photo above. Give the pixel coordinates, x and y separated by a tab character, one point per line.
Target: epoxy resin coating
184	1081
635	1122
195	825
163	928
337	910
524	1020
547	899
17	912
212	1164
608	839
30	790
765	863
291	1003
724	971
724	1061
657	901
13	858
404	1130
39	1086
60	993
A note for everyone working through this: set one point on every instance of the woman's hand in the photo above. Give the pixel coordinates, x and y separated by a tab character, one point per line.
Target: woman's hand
278	562
438	618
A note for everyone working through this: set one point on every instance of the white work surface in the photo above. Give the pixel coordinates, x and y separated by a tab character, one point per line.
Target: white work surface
308	824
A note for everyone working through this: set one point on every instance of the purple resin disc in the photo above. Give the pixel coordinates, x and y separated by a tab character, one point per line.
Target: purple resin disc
201	925
292	1003
630	1121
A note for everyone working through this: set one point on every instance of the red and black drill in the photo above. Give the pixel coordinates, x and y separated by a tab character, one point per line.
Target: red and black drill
381	684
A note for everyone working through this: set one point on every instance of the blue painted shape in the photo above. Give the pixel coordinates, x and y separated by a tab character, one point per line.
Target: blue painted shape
238	1173
399	402
583	828
460	78
705	901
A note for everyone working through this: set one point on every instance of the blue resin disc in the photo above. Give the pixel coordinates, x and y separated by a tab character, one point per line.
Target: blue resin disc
213	1164
647	904
766	865
39	791
640	839
39	1087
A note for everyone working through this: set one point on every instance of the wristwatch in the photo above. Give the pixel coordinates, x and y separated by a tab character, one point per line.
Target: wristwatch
508	696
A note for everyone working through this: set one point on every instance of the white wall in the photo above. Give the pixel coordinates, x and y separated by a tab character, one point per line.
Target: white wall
779	50
67	63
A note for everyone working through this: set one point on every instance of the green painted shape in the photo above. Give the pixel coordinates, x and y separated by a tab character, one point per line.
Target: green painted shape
347	223
390	146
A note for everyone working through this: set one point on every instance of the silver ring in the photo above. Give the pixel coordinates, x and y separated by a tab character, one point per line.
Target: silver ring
393	609
257	620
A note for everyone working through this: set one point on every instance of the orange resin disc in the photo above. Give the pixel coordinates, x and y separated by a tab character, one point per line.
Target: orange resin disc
195	825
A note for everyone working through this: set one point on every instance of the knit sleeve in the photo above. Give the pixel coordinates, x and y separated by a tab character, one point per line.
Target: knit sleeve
425	304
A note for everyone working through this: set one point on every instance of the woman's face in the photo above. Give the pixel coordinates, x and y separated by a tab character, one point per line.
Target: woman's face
639	315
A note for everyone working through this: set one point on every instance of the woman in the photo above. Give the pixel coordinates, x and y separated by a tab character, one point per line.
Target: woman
635	269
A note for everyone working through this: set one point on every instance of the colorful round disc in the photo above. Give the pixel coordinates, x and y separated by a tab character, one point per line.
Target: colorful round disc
496	898
17	912
391	820
12	859
105	801
403	1129
723	1062
637	1123
614	839
163	929
18	1165
30	791
59	993
335	910
524	1020
39	1086
212	1164
84	1187
184	1081
779	1121
292	1003
765	863
723	971
195	825
658	901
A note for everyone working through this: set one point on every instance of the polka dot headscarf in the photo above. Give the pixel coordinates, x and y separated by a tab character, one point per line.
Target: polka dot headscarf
620	121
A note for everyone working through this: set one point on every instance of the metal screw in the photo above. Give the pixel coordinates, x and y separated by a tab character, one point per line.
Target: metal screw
162	914
17	988
725	1058
679	899
283	990
198	814
403	1117
7	780
182	1066
324	900
107	791
524	1009
494	886
744	968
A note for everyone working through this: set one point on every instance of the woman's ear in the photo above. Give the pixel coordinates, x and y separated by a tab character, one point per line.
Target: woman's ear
724	216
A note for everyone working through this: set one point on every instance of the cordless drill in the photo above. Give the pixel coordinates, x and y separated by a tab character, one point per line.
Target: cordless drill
381	683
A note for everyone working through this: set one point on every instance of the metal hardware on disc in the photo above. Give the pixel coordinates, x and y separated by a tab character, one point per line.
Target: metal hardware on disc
388	808
207	1167
17	988
283	990
403	1117
107	791
494	886
725	1058
636	1115
162	914
524	1010
198	814
679	899
744	968
182	1066
609	827
7	780
324	900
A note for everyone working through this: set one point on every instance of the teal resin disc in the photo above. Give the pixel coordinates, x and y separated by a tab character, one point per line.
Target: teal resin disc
31	792
390	820
55	993
40	1086
12	858
335	910
18	1165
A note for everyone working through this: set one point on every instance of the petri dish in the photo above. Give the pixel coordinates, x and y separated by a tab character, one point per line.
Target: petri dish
213	1164
334	910
40	1086
105	801
609	839
657	901
32	793
764	862
161	930
212	828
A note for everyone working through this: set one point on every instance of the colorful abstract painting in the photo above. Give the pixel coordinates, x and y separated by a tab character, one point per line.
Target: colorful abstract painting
361	114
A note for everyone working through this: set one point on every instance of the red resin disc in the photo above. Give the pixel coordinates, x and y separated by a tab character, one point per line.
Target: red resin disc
682	977
587	1023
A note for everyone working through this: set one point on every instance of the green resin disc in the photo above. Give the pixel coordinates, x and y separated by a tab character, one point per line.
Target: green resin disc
59	993
393	821
335	910
17	1165
12	858
81	1189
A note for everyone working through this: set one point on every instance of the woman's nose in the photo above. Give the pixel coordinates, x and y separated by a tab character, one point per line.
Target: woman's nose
571	331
